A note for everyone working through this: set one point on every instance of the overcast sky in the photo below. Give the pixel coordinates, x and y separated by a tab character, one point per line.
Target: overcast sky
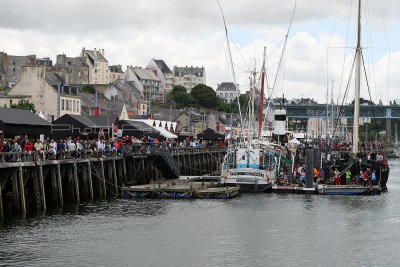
191	32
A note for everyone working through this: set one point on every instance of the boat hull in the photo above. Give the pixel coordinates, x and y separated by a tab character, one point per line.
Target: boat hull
346	190
251	188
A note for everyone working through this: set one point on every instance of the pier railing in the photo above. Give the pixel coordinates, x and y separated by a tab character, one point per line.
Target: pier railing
127	149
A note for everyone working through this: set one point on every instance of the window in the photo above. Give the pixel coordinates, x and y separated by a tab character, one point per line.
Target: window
226	95
10	102
231	95
62	104
95	70
221	95
67	105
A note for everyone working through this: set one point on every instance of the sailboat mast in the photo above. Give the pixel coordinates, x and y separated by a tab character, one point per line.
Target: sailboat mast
357	84
260	114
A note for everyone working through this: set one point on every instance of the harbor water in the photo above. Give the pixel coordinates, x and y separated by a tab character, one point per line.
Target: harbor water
252	230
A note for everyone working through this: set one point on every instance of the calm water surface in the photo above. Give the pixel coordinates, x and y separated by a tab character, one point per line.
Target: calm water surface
253	230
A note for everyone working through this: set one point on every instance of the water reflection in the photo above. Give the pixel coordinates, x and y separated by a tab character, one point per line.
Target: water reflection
253	230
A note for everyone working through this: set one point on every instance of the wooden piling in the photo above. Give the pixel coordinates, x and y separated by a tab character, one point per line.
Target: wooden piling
124	178
14	178
54	190
76	184
22	191
103	189
90	182
114	170
59	187
41	188
1	202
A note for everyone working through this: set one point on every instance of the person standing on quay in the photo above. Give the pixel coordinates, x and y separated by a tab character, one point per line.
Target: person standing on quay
348	177
337	175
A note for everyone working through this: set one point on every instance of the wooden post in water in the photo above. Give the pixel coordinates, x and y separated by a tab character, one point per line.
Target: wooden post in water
309	183
1	202
89	173
14	178
114	170
124	178
103	180
59	186
41	186
22	191
76	184
54	189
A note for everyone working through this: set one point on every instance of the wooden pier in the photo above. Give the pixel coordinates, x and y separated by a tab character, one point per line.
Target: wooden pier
30	186
178	189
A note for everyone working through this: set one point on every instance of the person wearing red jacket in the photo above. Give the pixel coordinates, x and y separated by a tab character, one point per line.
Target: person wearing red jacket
28	147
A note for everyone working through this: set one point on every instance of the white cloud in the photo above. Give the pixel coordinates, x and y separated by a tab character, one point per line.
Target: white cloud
191	33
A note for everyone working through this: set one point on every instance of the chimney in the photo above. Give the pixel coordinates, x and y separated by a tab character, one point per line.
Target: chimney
102	52
95	51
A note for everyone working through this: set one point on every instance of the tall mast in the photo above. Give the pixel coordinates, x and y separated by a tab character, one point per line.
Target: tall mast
357	84
260	114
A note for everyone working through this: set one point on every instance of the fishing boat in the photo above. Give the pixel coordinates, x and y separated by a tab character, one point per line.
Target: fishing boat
357	163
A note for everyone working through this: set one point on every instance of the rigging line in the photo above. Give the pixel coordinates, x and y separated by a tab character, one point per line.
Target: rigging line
372	52
237	48
366	79
345	94
334	22
233	71
345	51
388	46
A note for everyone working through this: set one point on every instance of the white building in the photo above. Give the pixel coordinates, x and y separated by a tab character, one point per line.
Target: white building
227	91
189	77
163	73
99	72
146	82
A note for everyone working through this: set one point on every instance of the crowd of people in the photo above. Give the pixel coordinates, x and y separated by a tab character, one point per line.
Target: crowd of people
58	149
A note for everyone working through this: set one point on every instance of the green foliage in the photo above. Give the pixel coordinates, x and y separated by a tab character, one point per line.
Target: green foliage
24	105
181	98
89	89
205	96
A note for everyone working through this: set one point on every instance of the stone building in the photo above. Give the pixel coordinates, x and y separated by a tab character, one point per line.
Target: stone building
42	85
78	70
116	73
227	91
189	77
11	67
99	72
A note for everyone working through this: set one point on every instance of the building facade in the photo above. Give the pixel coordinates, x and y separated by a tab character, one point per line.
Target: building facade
42	85
164	74
11	67
77	69
189	77
99	72
146	82
116	73
227	91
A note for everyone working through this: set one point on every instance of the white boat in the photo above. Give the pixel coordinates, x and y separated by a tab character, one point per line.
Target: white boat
253	168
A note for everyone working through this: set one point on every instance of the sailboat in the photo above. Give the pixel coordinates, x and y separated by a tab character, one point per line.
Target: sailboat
251	164
382	166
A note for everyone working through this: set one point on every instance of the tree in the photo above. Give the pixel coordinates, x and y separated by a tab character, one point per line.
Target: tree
205	96
24	105
89	89
181	98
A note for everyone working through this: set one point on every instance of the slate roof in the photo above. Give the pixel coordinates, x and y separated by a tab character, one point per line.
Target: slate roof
84	120
74	62
54	79
162	66
145	74
21	116
189	71
226	86
98	57
102	121
126	87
